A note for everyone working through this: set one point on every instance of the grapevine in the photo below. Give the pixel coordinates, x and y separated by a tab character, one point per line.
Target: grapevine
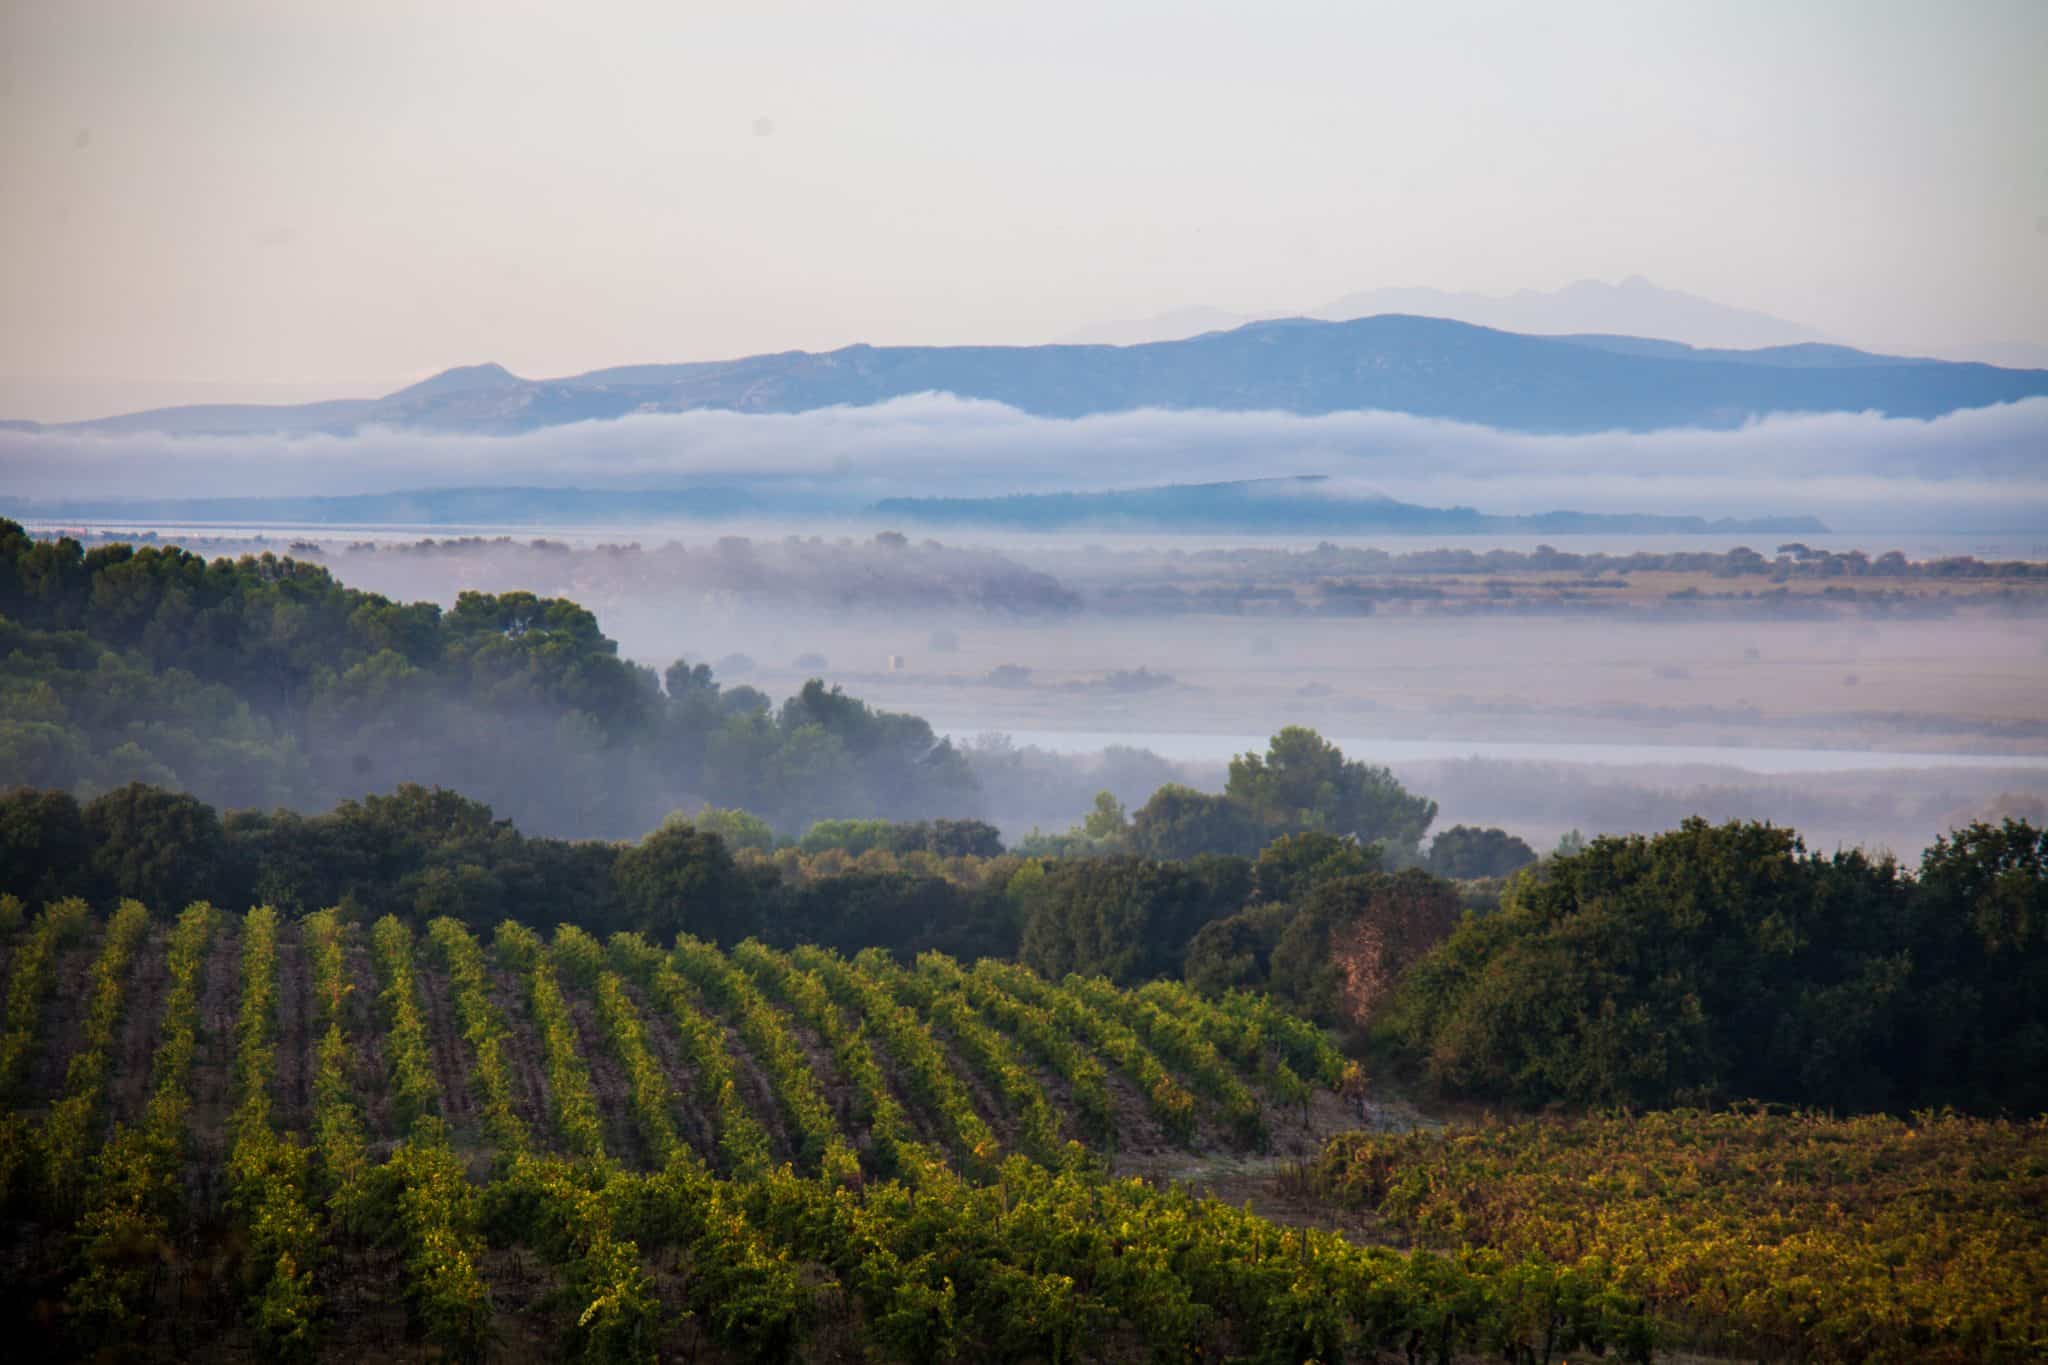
66	1129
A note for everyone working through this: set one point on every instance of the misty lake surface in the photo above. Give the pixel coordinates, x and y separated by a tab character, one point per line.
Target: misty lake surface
1215	748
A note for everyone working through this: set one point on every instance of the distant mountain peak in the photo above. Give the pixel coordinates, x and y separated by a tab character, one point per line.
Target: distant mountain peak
462	379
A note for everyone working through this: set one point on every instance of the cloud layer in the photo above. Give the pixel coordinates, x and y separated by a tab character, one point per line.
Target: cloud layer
1982	467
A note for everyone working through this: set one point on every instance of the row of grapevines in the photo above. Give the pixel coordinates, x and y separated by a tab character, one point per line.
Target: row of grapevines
561	1208
134	1189
1170	1103
1067	1265
569	1092
437	1232
66	1134
435	1206
266	1170
627	1038
730	1264
35	970
1305	1047
920	1059
741	1138
1240	1032
414	1090
986	1050
1051	1042
645	1081
1178	1039
482	1029
564	1207
757	1299
766	1032
897	1152
337	1123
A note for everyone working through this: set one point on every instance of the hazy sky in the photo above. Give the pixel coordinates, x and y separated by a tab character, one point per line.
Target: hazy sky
273	197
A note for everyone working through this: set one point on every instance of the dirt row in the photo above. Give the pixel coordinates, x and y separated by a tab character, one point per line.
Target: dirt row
291	1092
525	1058
622	1139
213	1066
63	1023
363	1026
446	1049
135	1040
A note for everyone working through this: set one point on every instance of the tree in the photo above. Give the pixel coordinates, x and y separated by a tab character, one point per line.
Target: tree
1105	822
1294	864
1123	918
161	848
1180	822
737	828
1464	852
1980	953
680	879
45	847
1304	782
1707	963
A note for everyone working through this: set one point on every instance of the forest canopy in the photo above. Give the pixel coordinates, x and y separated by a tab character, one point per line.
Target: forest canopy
264	682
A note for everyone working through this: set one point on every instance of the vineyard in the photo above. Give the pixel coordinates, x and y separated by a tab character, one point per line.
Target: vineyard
1752	1235
245	1136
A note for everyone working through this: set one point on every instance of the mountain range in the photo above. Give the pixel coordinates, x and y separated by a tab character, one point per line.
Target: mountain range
1425	366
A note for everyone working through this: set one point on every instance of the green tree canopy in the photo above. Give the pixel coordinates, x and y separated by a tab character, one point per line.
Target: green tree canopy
1463	852
1304	782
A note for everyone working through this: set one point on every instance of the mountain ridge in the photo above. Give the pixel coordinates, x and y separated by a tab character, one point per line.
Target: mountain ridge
1422	366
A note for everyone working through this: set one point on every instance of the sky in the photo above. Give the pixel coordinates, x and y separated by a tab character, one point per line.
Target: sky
243	200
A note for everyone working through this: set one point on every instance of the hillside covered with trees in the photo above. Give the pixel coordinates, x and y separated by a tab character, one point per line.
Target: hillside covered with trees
264	682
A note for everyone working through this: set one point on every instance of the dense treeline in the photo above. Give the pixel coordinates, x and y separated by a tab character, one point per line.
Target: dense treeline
1718	962
265	682
1706	964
